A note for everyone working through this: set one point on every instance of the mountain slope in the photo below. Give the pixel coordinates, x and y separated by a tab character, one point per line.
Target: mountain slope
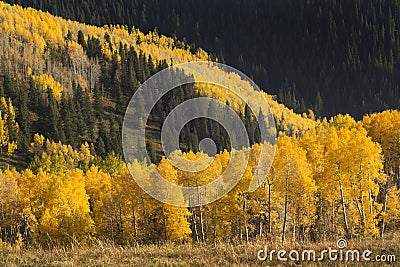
73	80
333	56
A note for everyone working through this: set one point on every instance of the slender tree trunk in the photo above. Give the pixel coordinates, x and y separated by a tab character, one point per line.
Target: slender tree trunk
121	223
145	220
195	232
269	208
202	225
247	233
285	211
294	230
201	216
245	220
134	222
333	217
383	220
215	228
346	226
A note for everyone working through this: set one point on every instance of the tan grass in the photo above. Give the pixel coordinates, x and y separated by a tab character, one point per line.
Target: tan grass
221	254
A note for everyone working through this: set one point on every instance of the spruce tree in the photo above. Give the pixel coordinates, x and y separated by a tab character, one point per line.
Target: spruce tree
25	122
81	40
53	122
98	102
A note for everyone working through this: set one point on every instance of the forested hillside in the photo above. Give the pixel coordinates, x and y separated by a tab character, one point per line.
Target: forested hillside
331	56
82	77
63	93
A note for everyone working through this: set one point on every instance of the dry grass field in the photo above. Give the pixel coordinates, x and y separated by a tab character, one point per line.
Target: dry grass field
222	254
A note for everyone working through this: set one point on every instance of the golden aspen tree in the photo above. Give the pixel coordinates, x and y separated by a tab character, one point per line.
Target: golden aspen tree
316	142
45	81
11	206
121	206
384	128
129	200
263	199
31	188
66	216
35	190
8	126
391	210
356	165
177	227
74	220
4	138
215	221
347	168
297	188
194	179
99	189
143	205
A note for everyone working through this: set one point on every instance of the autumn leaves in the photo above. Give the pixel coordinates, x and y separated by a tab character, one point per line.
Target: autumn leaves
330	182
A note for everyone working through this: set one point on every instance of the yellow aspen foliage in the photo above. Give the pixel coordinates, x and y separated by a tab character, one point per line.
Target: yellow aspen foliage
66	215
143	205
130	203
76	220
221	215
98	187
4	137
295	183
177	227
56	157
45	82
37	144
384	128
11	205
9	128
347	167
341	121
392	209
34	188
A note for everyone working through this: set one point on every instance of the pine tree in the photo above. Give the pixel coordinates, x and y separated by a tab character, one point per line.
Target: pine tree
25	122
318	109
121	104
8	90
81	40
69	118
98	102
54	125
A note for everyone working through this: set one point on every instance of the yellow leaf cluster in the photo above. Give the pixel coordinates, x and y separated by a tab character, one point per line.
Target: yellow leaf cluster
46	82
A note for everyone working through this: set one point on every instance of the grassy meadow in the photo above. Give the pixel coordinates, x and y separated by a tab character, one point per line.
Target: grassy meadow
170	255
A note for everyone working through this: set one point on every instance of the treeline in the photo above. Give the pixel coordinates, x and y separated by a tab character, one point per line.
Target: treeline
331	56
340	179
